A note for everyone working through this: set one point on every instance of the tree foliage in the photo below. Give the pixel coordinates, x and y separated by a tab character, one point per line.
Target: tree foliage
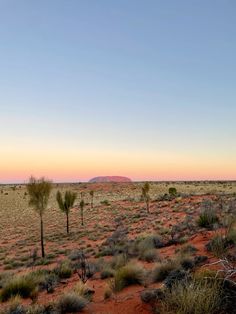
39	191
66	203
145	194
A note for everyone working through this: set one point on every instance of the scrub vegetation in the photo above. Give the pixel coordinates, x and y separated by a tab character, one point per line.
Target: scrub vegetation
138	247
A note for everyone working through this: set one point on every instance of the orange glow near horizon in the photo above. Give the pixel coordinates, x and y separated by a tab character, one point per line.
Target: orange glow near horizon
77	166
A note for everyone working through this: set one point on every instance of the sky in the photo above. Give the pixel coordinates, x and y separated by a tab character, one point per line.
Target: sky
144	89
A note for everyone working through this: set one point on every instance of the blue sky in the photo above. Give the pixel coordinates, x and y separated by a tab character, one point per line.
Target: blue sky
148	81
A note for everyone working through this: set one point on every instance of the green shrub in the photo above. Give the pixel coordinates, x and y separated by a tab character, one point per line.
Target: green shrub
203	273
151	295
207	218
161	271
172	191
150	242
105	202
231	235
218	246
42	262
22	286
4	278
71	303
149	255
186	249
118	261
64	270
83	290
14	307
128	275
41	309
75	255
193	297
107	273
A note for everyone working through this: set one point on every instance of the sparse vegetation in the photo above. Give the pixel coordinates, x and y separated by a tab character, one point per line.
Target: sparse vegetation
81	205
91	193
66	204
123	232
128	275
162	270
23	286
208	218
145	194
71	303
193	297
39	192
172	191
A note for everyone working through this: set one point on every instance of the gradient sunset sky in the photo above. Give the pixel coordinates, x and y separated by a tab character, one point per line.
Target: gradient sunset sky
144	89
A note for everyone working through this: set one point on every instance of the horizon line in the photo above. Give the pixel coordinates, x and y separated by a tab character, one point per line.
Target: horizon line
132	181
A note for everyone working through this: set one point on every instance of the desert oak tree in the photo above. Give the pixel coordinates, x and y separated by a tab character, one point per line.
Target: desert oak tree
66	203
39	191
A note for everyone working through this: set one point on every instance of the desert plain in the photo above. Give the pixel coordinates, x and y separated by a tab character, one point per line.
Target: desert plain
119	237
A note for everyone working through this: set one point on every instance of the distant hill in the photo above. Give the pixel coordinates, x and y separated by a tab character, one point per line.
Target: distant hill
110	179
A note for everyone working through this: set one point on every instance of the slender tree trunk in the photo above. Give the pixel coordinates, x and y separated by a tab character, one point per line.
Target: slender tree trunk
82	216
67	223
41	236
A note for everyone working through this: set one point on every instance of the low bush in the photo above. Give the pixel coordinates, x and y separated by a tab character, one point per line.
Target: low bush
218	246
83	290
105	202
128	275
64	270
200	259
119	261
107	273
161	271
193	297
187	263
172	191
23	286
151	295
152	241
174	276
4	278
187	249
41	309
74	255
70	303
231	233
149	255
14	307
208	218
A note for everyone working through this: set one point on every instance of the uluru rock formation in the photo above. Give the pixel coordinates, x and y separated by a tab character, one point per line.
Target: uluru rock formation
110	179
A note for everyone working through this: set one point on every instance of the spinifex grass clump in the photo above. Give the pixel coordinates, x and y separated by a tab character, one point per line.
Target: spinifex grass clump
23	286
130	274
145	248
64	270
161	271
196	296
71	303
208	218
